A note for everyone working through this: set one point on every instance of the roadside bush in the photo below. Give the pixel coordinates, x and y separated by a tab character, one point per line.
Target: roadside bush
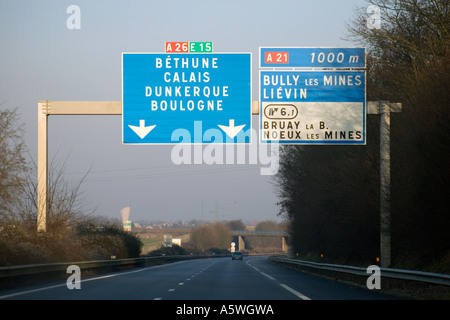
175	250
106	241
21	245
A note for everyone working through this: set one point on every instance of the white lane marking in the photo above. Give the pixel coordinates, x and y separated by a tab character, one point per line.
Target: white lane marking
268	276
295	292
298	294
264	274
246	262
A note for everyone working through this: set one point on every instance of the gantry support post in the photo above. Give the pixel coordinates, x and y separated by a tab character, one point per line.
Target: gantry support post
384	109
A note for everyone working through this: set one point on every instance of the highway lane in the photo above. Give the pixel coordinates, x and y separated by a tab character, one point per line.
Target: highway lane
204	279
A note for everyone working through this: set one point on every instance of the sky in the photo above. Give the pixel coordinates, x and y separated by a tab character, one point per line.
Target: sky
42	59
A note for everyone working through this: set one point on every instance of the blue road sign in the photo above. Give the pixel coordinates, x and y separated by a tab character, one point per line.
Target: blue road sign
301	57
313	107
186	98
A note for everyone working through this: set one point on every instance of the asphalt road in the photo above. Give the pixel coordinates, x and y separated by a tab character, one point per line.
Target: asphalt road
254	278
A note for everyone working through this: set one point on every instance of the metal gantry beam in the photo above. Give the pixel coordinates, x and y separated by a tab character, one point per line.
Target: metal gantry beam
46	108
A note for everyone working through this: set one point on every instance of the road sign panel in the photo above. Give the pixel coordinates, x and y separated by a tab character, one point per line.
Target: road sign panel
313	107
303	57
205	98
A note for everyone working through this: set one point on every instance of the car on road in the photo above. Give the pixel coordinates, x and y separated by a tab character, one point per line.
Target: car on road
236	256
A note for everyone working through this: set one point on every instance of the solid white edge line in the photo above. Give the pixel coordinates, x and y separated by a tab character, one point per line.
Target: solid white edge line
31	291
84	280
298	294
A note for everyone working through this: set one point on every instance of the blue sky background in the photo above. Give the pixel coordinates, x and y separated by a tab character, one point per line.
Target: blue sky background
41	59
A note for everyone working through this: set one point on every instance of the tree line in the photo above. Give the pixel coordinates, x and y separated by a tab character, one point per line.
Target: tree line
330	194
217	236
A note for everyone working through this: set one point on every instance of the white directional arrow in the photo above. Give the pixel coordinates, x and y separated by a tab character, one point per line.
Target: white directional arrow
142	130
231	130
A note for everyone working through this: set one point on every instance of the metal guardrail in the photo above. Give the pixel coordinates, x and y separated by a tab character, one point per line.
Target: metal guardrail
427	277
259	233
36	269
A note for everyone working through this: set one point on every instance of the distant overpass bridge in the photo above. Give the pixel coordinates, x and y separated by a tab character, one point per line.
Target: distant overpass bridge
239	237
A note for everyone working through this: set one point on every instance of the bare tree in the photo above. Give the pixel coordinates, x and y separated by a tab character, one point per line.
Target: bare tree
215	235
66	206
330	193
13	165
412	36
